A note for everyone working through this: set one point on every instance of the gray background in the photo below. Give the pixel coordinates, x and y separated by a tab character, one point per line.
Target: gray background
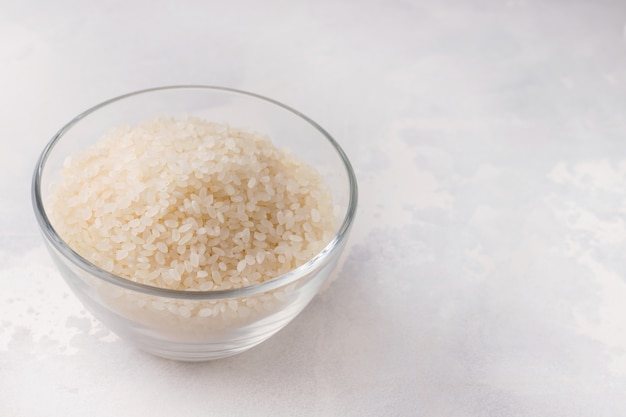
485	272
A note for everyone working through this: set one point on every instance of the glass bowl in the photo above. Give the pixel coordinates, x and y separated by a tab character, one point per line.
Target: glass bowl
198	325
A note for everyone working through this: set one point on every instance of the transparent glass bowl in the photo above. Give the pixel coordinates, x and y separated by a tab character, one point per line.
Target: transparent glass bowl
198	325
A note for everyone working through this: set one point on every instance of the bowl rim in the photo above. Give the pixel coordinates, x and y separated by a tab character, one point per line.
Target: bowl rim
318	261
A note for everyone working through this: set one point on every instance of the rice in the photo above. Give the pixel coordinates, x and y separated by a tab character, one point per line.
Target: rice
188	204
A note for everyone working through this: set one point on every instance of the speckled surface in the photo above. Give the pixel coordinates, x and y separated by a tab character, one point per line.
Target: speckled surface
485	275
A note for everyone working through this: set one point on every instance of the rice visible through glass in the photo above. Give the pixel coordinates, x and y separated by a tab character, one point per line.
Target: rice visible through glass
189	204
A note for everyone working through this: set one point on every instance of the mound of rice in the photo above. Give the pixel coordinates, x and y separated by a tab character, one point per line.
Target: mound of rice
188	204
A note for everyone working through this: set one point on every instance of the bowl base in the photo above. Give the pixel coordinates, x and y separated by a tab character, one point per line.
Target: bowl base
194	356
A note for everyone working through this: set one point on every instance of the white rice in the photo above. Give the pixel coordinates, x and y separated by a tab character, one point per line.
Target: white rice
191	205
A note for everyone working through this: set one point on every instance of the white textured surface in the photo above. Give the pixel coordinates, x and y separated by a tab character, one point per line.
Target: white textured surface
486	272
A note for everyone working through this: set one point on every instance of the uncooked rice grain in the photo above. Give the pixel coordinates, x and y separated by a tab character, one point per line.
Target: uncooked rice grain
188	204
